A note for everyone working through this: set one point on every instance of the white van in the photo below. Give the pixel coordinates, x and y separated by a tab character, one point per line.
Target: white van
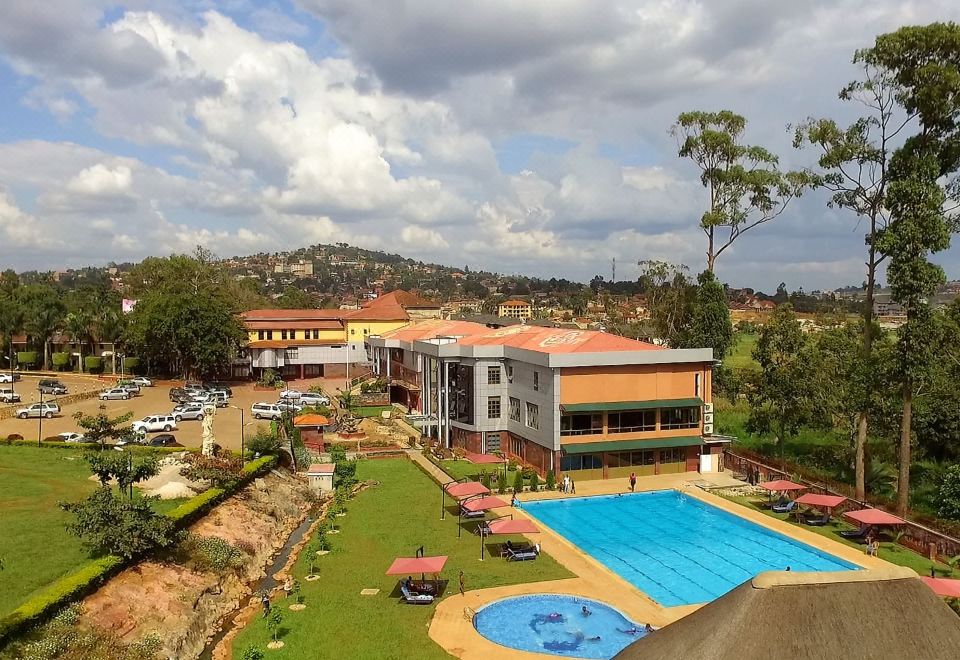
264	410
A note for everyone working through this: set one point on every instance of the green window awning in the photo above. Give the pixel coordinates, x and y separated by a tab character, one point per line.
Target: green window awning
617	406
627	445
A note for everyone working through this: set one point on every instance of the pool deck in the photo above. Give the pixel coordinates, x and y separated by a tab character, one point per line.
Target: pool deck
452	626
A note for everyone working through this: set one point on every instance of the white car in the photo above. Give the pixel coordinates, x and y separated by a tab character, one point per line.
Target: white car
7	395
290	394
199	397
115	393
142	381
264	410
7	377
188	411
45	409
314	399
72	437
129	386
154	423
290	405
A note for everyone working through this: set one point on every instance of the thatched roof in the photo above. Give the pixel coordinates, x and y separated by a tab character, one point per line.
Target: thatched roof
886	613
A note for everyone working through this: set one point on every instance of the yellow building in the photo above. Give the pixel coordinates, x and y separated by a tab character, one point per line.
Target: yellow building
317	343
515	309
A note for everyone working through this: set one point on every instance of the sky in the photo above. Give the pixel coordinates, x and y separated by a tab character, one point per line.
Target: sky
523	137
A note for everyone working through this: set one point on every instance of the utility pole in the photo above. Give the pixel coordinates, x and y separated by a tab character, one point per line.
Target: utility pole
613	270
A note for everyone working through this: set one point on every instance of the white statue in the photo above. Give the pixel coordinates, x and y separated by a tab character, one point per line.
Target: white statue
209	412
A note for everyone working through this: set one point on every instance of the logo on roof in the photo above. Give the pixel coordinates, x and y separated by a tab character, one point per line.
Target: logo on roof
510	330
562	339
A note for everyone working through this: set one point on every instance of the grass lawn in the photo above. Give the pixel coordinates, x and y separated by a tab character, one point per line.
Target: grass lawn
369	411
889	551
35	547
392	519
467	470
740	356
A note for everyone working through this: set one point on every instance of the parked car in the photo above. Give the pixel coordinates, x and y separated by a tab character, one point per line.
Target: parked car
7	377
188	411
290	405
154	423
7	395
290	394
47	409
132	439
129	386
193	386
163	440
200	397
219	399
314	399
51	386
179	395
115	393
72	436
217	385
142	381
264	410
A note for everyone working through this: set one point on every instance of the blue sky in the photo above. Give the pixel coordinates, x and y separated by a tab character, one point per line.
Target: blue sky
522	137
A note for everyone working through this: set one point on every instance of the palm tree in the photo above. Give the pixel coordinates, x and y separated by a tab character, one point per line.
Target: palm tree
77	325
11	321
44	313
110	324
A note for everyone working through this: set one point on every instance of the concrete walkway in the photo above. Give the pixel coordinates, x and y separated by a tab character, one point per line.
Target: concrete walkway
438	475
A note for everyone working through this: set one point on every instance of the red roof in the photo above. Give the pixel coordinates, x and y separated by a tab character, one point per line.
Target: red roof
515	303
556	340
508	526
822	501
433	328
484	504
319	324
874	517
291	314
402	298
782	485
310	420
943	586
321	468
466	489
409	565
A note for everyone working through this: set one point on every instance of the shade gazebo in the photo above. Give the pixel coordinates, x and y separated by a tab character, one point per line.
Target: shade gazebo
507	526
422	565
460	490
781	486
875	517
476	504
945	587
827	503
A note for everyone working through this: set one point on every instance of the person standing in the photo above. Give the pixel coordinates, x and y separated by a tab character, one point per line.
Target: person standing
633	481
462	583
566	483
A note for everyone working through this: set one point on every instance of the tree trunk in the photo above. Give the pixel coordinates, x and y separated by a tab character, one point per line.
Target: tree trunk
711	257
859	467
903	485
46	354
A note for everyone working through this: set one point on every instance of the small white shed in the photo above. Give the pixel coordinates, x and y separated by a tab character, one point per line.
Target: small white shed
320	477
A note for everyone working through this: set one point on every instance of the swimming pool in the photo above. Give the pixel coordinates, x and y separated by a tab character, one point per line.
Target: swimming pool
555	624
675	548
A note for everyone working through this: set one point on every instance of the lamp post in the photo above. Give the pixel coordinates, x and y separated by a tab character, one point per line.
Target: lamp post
243	454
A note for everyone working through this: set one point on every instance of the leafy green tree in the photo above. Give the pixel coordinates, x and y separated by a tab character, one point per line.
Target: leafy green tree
784	395
518	481
950	493
274	621
99	428
710	325
670	300
294	298
11	321
78	326
43	314
745	186
129	528
854	166
123	468
921	62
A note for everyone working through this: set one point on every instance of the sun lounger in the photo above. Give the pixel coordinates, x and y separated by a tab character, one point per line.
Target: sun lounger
521	555
784	507
415	598
855	534
472	514
818	522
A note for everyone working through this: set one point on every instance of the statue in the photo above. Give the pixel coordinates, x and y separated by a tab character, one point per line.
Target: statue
347	424
209	412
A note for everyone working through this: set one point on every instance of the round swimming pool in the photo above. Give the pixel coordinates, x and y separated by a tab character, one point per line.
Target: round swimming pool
557	625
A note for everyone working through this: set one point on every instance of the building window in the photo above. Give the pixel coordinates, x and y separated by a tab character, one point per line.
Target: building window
679	418
696	385
493	442
316	334
493	375
366	331
533	415
581	424
509	373
536	381
283	334
632	421
261	335
353	331
292	353
514	410
581	462
269	334
493	407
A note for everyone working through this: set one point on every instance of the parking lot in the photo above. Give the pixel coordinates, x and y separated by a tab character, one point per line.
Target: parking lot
152	401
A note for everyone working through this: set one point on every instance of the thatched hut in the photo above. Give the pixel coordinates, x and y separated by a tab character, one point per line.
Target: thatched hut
887	613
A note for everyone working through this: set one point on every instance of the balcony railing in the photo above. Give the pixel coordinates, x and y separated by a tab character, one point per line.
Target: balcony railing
400	372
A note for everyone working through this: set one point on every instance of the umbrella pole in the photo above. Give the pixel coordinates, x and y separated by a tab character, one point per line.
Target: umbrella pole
442	502
481	541
459	520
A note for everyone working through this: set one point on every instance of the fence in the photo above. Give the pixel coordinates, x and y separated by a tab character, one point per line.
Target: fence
920	538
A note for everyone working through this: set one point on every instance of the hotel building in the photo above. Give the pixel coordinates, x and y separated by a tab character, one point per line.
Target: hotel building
584	403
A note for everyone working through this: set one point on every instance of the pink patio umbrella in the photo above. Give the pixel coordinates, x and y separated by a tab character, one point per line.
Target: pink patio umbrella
781	485
821	501
507	526
422	565
945	587
876	517
460	490
479	503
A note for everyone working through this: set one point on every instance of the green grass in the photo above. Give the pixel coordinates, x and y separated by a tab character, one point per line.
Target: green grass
889	551
467	470
35	547
740	356
390	520
369	411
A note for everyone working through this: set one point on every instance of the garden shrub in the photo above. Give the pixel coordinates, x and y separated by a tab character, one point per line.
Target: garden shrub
950	493
93	364
60	360
502	483
264	442
551	483
252	653
485	479
459	453
534	481
518	482
211	553
27	358
131	364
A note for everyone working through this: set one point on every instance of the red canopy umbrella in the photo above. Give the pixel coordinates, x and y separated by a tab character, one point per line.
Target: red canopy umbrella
484	504
508	526
482	459
821	501
779	485
407	565
874	517
943	586
466	489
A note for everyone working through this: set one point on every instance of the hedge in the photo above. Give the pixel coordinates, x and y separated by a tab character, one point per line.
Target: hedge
60	359
130	364
27	357
93	363
56	444
89	577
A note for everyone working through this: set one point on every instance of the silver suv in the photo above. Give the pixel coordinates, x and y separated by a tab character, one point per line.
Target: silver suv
7	395
45	409
188	411
154	423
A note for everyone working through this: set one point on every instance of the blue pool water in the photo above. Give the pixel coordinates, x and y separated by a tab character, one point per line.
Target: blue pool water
676	549
555	624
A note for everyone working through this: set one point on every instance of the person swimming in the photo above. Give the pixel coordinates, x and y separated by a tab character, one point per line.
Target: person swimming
633	630
585	611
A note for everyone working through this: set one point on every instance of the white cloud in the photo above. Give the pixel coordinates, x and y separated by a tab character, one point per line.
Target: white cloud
101	180
421	238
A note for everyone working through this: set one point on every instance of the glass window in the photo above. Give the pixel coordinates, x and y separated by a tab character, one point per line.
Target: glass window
632	421
696	385
581	462
269	334
514	409
493	407
581	424
261	335
283	334
533	415
493	375
316	334
679	418
536	381
493	442
509	373
292	353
